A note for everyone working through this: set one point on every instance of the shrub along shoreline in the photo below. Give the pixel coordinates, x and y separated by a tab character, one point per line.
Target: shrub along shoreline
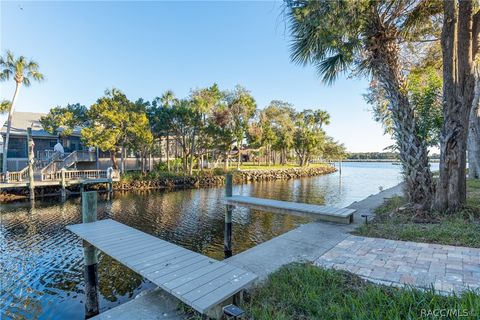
215	178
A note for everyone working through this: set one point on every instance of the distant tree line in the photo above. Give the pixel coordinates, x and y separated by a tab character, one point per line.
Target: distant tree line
210	126
372	155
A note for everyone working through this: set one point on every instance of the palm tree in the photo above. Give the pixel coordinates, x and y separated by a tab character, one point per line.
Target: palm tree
23	72
322	117
365	38
168	98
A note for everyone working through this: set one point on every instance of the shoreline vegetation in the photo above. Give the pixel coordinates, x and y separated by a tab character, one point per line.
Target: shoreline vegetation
216	177
163	180
395	220
304	291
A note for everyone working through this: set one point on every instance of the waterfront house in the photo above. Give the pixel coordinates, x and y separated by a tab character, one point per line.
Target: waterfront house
44	142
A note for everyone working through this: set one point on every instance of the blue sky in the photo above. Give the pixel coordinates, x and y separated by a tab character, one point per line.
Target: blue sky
145	48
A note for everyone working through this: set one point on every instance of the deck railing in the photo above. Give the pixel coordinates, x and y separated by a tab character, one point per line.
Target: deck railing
45	155
15	176
75	175
58	163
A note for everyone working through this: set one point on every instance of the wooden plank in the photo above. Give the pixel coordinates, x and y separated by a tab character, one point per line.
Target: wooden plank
159	263
175	269
144	249
181	272
222	293
176	265
213	284
149	260
140	248
157	269
200	281
119	239
175	283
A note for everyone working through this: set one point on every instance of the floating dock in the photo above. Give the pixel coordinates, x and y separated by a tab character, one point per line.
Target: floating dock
196	280
326	213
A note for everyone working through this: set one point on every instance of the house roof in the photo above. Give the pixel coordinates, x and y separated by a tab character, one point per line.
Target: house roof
22	120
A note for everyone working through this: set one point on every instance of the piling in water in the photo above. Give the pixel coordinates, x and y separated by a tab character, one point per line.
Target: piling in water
227	242
89	214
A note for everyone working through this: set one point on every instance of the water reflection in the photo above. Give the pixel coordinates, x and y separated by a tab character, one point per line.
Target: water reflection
41	265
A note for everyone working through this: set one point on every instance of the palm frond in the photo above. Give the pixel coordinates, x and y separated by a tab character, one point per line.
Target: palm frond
5	105
330	68
326	34
5	74
420	18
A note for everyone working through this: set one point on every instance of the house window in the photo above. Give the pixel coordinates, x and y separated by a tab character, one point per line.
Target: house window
17	147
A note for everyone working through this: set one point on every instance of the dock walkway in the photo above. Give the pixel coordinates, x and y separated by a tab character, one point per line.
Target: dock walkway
326	213
197	280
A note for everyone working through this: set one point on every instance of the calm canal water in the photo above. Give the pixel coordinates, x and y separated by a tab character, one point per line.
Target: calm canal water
41	268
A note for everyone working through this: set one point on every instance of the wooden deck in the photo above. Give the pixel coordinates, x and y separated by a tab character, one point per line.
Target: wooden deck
332	214
195	279
39	183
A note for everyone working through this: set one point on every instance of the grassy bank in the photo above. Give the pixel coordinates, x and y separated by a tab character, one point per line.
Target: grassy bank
460	229
303	291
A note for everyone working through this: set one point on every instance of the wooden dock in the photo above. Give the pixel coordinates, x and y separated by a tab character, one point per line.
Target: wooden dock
24	184
326	213
197	280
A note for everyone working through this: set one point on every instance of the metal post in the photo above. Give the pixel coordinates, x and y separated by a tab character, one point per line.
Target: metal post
90	254
227	242
31	178
63	182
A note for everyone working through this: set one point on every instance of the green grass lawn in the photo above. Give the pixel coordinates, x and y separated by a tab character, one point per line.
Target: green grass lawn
303	291
460	229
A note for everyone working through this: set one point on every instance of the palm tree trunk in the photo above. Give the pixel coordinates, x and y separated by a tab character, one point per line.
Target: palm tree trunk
239	157
192	153
473	143
474	135
9	126
114	159
168	152
413	150
226	161
458	93
122	162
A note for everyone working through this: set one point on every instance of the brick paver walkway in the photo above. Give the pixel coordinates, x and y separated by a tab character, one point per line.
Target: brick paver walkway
447	268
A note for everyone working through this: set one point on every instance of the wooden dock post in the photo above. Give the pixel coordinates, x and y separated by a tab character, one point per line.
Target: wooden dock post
63	182
227	242
110	182
31	178
90	253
